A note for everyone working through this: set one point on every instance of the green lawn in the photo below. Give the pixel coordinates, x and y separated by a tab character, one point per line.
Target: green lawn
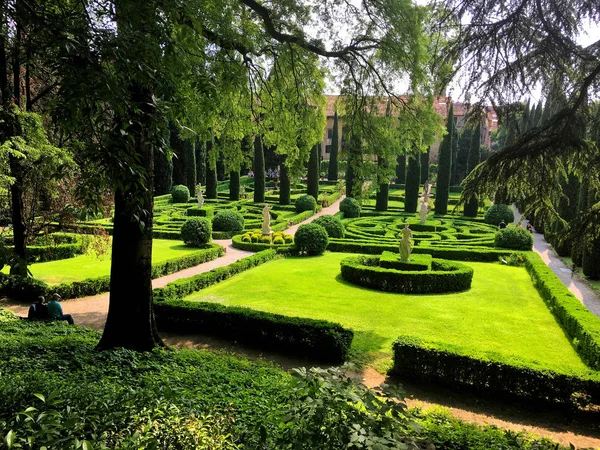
84	266
502	312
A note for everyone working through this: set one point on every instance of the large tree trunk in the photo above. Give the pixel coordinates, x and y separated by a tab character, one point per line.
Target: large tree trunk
130	322
285	197
259	170
381	200
19	230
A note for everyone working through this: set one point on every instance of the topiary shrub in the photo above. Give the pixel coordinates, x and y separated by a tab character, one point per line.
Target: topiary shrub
515	238
228	221
332	225
180	194
311	239
350	208
499	212
196	231
305	203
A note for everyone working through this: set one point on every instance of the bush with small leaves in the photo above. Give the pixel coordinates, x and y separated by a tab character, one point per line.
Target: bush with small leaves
332	225
515	238
498	212
311	239
180	194
350	207
196	231
228	220
305	203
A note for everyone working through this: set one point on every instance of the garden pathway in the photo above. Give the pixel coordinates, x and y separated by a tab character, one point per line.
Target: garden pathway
91	311
574	282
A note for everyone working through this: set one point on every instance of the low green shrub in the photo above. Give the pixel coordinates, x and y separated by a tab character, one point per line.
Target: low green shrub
444	364
333	225
305	203
282	243
180	194
317	339
311	239
227	220
498	212
515	238
196	231
206	211
350	207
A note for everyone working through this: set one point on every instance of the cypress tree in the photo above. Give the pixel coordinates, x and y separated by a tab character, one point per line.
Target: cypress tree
178	147
401	169
190	165
454	167
472	205
211	173
413	184
234	185
200	162
524	123
444	167
332	172
381	199
163	173
312	177
582	206
352	156
284	184
258	167
425	166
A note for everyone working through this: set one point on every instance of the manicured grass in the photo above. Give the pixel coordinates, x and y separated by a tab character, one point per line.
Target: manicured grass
501	313
84	266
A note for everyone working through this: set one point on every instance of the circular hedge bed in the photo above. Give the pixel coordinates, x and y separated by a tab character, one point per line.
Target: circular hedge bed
442	276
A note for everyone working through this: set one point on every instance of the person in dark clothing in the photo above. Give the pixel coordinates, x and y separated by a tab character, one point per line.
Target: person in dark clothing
39	310
502	224
55	310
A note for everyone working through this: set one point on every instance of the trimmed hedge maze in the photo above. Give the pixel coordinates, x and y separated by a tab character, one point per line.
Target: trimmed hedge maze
423	275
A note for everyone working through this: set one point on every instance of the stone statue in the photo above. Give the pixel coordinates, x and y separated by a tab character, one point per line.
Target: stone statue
405	243
266	226
199	196
423	210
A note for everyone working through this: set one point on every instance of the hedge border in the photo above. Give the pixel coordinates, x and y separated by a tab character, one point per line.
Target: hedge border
258	246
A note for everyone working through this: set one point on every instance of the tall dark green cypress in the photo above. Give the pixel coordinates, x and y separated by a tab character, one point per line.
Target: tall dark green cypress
258	167
190	166
179	157
234	185
582	206
332	171
284	184
401	169
163	173
200	161
454	167
444	166
381	199
413	183
312	178
211	174
425	166
352	156
472	205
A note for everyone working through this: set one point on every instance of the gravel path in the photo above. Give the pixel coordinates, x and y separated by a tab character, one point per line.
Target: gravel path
91	311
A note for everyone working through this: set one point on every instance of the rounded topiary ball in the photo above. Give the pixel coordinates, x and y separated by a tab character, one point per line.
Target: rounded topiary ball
498	212
228	221
196	231
180	194
305	203
350	207
311	238
515	238
333	225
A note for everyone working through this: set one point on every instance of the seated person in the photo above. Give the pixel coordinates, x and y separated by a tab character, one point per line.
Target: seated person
502	224
39	310
55	310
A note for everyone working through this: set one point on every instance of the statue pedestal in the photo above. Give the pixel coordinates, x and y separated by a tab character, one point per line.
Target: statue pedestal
267	232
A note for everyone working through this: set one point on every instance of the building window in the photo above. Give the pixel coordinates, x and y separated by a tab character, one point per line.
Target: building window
329	133
328	149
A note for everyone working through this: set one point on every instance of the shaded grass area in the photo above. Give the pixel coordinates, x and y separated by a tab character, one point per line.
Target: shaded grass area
85	266
501	313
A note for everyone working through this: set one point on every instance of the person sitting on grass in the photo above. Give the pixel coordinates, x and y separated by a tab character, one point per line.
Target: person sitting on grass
39	310
55	310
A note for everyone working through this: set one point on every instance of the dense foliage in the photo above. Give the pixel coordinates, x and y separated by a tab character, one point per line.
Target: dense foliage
311	239
515	238
196	231
350	207
332	224
306	203
180	194
228	220
499	212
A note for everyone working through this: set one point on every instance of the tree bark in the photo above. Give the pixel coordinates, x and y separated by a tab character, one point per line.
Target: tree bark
285	197
234	185
312	178
259	171
381	201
